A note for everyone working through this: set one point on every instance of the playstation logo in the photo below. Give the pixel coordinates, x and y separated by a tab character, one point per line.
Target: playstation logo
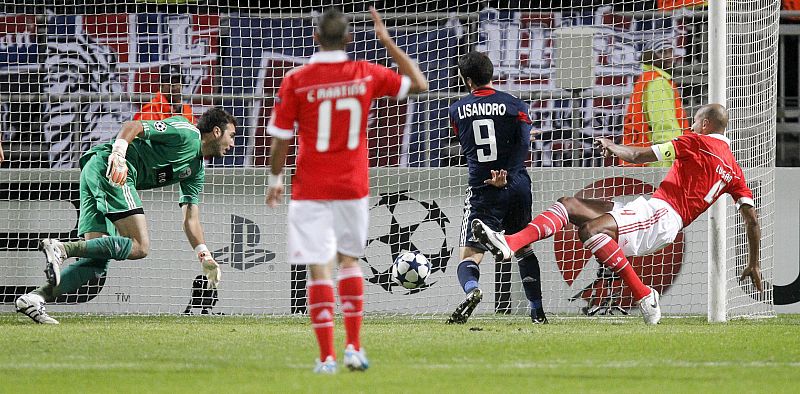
242	254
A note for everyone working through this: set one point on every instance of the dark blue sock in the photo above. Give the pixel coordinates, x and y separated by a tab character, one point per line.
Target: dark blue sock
468	275
531	277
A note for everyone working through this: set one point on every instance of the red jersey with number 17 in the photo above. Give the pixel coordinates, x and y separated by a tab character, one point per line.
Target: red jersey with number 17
329	100
703	170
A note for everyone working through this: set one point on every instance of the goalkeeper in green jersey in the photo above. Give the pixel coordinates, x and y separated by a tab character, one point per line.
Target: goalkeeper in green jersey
145	155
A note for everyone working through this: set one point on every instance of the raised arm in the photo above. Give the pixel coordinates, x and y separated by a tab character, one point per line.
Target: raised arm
117	170
405	65
630	154
130	130
753	229
194	233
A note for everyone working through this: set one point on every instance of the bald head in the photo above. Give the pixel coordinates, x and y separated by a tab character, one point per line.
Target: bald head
713	118
333	30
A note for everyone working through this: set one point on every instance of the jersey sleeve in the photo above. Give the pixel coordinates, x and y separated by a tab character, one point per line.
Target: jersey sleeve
523	116
741	194
191	188
389	83
665	151
171	131
452	119
285	112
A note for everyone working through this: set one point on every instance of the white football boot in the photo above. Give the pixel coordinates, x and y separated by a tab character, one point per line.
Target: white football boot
651	307
328	367
32	305
492	240
355	360
54	257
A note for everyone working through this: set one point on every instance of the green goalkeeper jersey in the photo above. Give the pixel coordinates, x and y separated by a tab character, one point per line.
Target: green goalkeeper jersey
168	152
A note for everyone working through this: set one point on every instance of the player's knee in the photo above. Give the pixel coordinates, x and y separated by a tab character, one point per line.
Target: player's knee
140	249
590	229
470	253
570	203
348	261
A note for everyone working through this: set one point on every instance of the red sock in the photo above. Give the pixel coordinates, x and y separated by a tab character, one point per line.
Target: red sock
542	226
609	254
320	307
351	296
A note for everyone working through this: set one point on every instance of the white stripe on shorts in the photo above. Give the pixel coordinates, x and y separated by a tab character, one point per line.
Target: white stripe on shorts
126	191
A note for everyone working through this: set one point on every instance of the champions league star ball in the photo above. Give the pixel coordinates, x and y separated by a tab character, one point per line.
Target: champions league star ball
410	270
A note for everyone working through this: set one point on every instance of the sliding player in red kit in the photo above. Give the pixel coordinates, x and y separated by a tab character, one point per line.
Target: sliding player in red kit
329	100
704	169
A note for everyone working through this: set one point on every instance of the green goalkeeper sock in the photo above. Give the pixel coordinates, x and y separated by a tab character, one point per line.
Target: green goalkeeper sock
73	277
103	248
46	292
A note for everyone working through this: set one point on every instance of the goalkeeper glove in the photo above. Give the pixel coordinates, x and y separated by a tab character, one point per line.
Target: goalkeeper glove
117	170
211	269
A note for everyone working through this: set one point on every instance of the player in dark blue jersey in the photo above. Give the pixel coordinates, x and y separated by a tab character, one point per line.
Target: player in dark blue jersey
494	131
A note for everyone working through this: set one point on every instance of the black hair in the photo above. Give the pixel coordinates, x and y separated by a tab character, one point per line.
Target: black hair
332	28
215	117
477	67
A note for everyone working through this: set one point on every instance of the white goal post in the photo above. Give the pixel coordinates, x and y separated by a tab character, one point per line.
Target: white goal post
717	259
69	76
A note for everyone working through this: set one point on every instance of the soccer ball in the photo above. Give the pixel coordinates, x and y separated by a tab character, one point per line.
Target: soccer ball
410	270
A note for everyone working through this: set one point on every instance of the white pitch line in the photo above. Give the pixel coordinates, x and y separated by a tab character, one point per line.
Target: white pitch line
563	364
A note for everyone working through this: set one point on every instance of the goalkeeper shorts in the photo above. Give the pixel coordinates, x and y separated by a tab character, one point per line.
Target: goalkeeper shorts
102	202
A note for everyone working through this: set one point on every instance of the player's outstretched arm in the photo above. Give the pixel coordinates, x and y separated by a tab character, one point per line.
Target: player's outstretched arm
194	233
405	65
2	157
277	159
753	229
629	154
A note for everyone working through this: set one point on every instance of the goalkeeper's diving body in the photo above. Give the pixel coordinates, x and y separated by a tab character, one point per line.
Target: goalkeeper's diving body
145	155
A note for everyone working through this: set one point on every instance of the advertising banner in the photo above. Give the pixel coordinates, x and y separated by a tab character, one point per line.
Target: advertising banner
410	209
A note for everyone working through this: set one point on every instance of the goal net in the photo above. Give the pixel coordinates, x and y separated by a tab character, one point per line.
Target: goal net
70	76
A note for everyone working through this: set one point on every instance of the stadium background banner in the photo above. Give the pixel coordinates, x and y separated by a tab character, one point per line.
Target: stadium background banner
97	71
263	50
410	209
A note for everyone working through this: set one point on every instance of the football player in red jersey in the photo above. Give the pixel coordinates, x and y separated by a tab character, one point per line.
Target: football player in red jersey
704	169
328	101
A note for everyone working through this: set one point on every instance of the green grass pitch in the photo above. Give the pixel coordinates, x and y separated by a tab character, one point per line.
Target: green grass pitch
203	354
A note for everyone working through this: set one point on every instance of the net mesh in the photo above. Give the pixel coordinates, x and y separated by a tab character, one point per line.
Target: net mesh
70	76
752	52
